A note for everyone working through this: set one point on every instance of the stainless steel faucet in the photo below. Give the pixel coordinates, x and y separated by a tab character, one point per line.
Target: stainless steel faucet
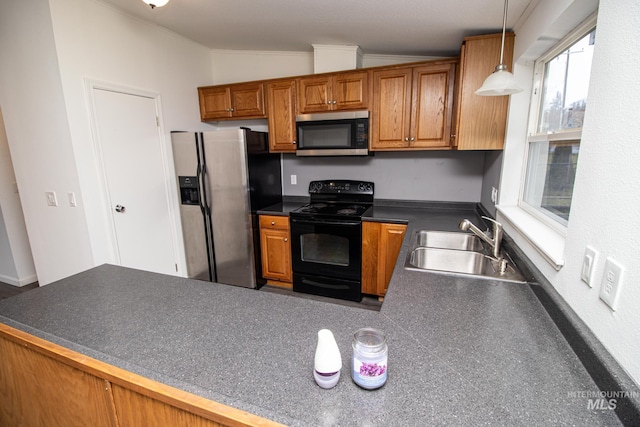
494	242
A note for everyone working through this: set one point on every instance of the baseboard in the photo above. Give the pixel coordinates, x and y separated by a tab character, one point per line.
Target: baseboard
14	281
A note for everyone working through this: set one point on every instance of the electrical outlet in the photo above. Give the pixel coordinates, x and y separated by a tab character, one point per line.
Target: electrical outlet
51	198
494	195
294	179
611	283
588	265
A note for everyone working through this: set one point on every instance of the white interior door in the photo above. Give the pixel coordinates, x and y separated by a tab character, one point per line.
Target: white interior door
130	147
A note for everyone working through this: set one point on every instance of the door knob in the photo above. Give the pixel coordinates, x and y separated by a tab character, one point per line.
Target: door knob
119	208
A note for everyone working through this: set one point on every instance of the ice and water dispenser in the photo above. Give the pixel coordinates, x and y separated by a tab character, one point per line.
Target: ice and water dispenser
189	192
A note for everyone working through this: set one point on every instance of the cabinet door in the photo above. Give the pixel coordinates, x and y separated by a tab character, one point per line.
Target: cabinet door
314	95
381	244
391	236
390	115
432	100
370	245
350	91
282	119
276	255
481	120
38	390
247	100
135	409
215	102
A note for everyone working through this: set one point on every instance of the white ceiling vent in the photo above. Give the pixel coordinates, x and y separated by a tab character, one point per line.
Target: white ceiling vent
327	58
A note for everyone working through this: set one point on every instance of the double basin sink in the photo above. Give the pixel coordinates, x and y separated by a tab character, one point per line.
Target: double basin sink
458	253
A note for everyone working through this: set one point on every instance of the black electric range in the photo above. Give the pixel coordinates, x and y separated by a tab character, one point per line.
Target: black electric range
326	239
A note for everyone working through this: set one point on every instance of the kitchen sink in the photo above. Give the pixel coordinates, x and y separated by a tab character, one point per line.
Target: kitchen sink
458	254
448	240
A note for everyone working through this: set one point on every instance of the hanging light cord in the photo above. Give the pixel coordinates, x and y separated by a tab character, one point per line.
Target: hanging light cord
504	26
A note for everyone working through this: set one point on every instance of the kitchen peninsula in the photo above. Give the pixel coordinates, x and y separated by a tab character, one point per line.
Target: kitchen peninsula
462	351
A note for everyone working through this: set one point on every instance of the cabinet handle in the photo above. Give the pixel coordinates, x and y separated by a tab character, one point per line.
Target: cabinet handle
286	240
273	223
232	110
334	102
293	142
413	139
452	136
406	139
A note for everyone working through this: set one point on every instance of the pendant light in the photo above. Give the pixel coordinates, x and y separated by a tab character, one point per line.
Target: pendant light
500	82
156	3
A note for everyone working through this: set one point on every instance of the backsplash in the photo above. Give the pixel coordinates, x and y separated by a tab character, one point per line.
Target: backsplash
419	175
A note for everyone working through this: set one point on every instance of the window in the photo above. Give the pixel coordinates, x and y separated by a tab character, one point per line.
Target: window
558	106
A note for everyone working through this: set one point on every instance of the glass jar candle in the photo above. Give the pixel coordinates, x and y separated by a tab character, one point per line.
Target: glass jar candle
369	363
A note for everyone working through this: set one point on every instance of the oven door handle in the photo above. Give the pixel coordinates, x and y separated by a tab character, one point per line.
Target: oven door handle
325	222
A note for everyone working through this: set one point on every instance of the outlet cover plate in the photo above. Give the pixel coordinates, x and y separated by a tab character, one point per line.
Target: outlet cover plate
611	283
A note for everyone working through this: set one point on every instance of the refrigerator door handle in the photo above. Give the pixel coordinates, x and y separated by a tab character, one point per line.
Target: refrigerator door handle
201	173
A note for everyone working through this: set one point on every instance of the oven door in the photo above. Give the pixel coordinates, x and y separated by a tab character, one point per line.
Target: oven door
327	247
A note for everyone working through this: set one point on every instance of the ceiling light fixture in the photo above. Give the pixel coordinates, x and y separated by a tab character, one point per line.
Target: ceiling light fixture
156	3
500	82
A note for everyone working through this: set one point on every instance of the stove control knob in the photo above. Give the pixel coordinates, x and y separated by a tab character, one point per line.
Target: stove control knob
365	187
315	187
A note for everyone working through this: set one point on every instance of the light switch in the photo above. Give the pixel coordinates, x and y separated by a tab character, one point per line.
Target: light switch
588	265
294	179
51	198
72	199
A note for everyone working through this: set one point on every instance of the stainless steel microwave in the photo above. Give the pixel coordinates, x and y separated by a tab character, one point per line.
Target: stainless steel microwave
333	134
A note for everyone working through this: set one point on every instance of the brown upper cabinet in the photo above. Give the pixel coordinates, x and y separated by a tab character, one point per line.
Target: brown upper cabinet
281	102
412	107
235	101
342	91
428	105
480	121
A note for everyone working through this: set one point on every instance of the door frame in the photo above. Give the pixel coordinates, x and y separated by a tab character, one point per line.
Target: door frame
167	166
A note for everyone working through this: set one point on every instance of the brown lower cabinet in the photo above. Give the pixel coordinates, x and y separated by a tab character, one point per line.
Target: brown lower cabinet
275	248
381	243
42	383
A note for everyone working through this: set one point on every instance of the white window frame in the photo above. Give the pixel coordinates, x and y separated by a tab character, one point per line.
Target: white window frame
558	225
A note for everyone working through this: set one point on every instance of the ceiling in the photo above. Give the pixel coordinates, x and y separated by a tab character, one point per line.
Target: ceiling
400	27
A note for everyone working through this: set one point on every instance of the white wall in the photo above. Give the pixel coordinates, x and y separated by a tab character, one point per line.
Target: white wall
16	262
46	114
137	55
38	133
231	66
606	200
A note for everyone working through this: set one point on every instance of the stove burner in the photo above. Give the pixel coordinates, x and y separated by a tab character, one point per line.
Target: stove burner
314	207
347	211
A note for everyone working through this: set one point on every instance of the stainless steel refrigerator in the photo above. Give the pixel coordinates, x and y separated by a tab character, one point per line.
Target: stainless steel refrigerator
224	177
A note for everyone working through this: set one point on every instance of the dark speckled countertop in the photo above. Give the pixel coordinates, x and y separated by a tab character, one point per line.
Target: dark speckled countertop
461	351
